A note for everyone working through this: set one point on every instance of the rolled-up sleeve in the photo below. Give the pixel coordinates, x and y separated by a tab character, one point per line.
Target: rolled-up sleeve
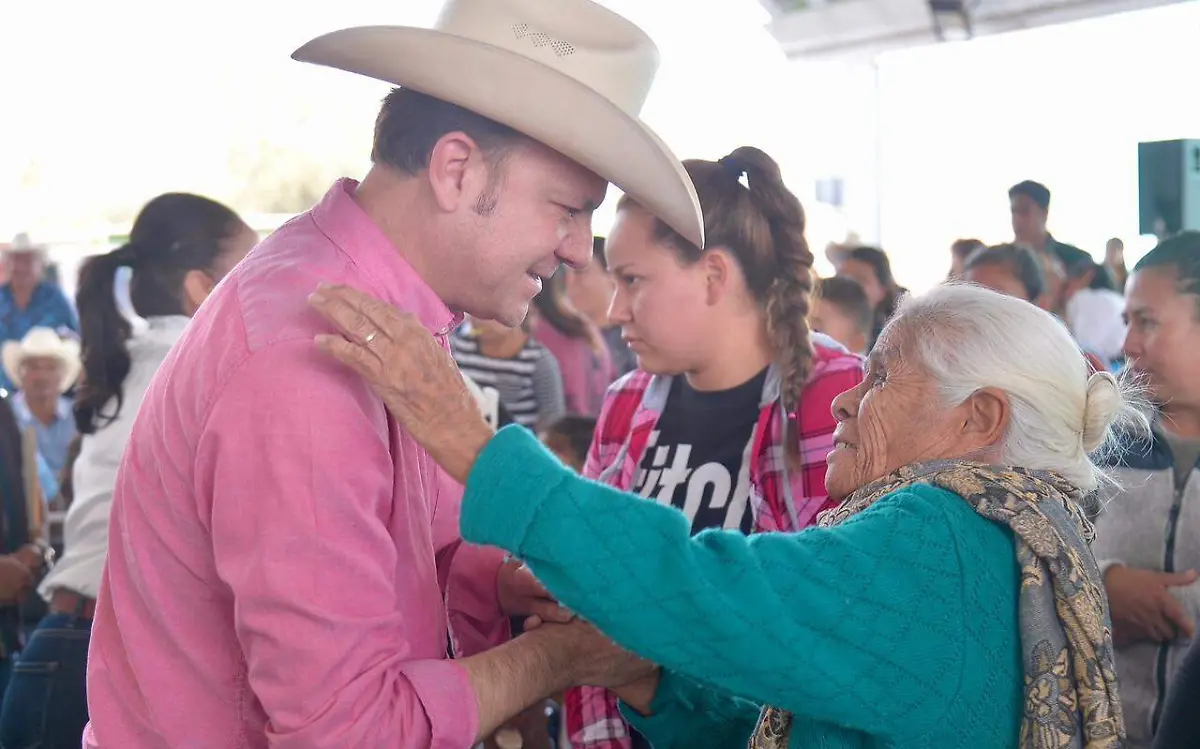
333	614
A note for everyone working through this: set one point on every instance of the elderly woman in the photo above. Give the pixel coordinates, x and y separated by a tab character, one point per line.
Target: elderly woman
951	600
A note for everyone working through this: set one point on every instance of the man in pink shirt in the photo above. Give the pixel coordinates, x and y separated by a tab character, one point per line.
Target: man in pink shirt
284	562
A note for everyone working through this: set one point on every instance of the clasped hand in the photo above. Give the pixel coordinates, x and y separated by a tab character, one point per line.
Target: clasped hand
594	659
521	595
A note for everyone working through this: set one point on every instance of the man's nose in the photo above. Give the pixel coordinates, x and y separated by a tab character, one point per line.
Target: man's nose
576	251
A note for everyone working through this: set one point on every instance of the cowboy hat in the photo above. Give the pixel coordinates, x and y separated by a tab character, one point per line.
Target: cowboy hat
570	74
22	243
40	342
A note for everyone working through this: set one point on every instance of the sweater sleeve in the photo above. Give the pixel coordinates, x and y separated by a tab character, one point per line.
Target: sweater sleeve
824	623
687	715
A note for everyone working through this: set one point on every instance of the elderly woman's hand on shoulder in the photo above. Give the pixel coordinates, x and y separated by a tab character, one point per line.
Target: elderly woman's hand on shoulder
410	370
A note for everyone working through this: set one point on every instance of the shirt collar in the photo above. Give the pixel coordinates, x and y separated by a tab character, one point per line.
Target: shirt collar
382	269
63	411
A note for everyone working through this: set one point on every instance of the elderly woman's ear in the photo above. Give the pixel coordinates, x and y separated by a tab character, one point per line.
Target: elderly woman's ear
985	416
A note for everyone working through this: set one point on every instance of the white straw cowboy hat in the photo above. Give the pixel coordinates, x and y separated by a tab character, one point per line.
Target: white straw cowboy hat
22	243
42	342
568	73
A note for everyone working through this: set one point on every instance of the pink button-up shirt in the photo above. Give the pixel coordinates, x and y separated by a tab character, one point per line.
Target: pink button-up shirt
282	555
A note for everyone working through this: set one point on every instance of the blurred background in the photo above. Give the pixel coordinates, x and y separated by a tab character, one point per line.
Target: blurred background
885	132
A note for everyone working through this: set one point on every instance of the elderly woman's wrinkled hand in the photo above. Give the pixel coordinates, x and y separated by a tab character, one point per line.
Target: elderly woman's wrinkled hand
595	660
410	370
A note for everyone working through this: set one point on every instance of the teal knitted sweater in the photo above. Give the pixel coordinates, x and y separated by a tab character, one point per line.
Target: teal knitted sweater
897	628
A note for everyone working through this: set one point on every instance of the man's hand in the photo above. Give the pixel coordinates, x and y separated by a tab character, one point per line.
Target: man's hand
520	594
1143	608
15	579
640	694
597	661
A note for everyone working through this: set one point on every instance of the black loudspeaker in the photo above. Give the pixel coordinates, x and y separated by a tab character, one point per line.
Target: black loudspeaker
1168	186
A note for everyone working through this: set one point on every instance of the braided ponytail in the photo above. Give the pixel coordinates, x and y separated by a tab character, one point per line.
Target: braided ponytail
788	294
761	223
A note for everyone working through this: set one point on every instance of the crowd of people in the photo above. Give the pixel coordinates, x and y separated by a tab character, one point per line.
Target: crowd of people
387	478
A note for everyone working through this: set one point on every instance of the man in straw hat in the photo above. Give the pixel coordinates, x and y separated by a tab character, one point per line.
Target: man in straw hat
44	365
27	299
285	561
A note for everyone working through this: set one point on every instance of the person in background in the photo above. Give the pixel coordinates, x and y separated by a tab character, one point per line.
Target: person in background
43	365
1008	269
1148	528
27	300
24	555
728	417
960	251
840	310
577	345
836	252
1029	206
1094	310
1114	261
180	247
1015	271
590	290
523	372
1180	724
569	439
870	267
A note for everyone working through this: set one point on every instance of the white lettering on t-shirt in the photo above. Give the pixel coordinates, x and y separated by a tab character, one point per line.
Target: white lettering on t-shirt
669	470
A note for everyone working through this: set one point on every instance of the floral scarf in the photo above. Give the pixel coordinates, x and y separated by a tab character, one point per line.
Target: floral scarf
1071	699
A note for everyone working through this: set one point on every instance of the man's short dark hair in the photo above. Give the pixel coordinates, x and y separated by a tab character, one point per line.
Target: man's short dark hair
1018	261
1035	191
848	296
410	123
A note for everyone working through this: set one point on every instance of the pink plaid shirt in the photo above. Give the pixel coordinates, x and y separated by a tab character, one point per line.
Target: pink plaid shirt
780	501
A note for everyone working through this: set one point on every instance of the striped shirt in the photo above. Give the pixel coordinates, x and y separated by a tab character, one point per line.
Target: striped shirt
529	385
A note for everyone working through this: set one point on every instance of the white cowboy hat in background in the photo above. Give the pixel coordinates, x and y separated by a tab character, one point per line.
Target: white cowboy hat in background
568	73
42	342
22	243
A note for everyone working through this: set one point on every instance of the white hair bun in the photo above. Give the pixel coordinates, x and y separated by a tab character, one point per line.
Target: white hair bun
1105	403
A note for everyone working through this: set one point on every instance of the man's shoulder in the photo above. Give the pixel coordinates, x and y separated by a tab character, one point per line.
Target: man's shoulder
268	291
1069	254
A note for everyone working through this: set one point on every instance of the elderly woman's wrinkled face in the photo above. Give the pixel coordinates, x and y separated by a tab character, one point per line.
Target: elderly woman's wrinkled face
891	420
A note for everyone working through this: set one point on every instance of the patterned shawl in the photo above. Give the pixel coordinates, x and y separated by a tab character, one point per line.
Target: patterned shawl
1071	699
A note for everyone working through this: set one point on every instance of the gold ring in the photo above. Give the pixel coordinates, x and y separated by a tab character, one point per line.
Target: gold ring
370	337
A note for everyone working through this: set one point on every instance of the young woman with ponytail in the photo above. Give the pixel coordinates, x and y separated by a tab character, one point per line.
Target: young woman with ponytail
729	415
179	248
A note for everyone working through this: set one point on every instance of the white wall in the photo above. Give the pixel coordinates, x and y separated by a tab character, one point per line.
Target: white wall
1063	105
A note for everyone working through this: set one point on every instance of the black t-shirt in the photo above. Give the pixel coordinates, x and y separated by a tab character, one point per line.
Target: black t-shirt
693	460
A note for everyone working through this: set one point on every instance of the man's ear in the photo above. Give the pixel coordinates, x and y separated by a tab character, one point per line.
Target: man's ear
457	171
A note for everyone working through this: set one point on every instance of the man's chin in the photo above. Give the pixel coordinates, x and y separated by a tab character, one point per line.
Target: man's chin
509	317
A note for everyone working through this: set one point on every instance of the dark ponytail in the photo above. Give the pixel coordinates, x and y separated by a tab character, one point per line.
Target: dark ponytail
787	297
104	332
173	235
